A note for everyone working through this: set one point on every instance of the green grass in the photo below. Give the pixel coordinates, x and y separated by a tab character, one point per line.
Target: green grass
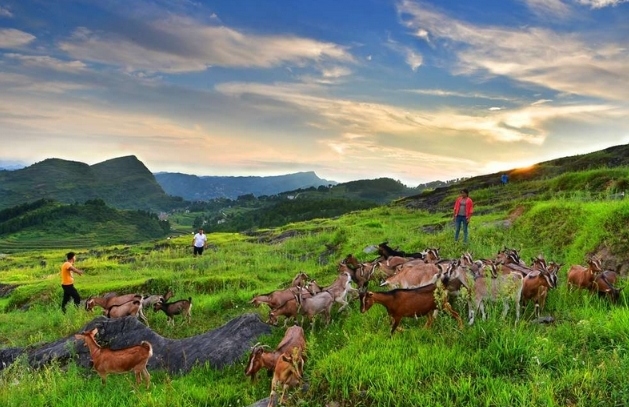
579	360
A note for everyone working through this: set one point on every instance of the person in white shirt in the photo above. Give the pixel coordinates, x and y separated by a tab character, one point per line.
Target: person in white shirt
199	242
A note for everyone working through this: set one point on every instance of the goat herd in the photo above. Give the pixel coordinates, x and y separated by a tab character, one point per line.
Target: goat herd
133	358
421	284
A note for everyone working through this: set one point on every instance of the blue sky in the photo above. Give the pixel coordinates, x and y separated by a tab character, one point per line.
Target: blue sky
354	89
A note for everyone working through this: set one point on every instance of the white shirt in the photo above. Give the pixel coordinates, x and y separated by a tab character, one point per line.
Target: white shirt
200	239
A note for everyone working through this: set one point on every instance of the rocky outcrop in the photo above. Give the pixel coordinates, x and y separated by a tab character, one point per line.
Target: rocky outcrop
220	347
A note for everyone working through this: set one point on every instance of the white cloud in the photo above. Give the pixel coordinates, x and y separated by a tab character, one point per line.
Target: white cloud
179	44
601	3
48	62
12	38
412	58
549	9
448	93
562	62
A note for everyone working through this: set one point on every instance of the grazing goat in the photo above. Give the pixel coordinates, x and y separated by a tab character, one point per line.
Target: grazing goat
289	310
319	303
340	288
288	372
150	300
535	286
106	302
504	287
108	361
412	302
385	251
415	276
129	308
604	285
300	279
294	337
583	277
171	309
275	299
361	273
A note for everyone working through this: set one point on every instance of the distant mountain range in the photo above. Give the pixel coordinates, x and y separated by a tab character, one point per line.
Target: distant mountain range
126	183
195	188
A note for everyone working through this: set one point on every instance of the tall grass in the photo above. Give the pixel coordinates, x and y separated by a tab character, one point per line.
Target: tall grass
579	360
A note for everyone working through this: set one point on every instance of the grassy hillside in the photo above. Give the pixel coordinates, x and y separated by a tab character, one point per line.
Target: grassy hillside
579	360
124	183
49	224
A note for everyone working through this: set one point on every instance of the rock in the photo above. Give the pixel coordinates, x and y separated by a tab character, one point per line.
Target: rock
220	347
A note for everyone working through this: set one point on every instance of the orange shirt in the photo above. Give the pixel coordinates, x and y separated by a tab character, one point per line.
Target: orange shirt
67	277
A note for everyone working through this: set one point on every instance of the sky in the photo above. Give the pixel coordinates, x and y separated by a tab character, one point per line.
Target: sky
417	91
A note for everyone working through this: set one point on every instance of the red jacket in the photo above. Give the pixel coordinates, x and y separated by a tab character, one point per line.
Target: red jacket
469	207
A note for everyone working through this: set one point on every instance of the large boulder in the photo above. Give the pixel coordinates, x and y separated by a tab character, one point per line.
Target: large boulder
220	347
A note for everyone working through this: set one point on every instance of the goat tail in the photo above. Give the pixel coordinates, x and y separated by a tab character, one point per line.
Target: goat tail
147	345
190	300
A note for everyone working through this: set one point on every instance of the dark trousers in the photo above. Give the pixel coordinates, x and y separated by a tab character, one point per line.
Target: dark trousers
69	292
197	250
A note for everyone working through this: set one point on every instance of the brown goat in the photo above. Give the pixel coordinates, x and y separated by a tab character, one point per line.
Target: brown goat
106	361
129	308
289	310
294	337
412	302
583	277
415	276
274	299
288	372
106	302
604	285
535	288
183	307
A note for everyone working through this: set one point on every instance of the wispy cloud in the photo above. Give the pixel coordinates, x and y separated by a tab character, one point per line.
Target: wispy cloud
412	58
12	38
43	61
562	62
601	3
180	44
449	93
549	9
5	12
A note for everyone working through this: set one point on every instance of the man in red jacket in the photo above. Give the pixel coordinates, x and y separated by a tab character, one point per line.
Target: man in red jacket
463	209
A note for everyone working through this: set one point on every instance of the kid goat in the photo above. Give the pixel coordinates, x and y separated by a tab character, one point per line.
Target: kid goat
108	361
171	309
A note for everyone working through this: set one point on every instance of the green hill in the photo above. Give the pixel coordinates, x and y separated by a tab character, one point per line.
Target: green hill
49	224
124	183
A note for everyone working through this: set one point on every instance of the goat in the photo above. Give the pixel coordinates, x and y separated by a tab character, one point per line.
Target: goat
171	309
536	284
412	302
129	308
287	373
340	288
415	276
108	361
313	305
150	300
361	273
300	279
496	287
385	251
274	299
260	358
289	310
583	277
604	285
106	302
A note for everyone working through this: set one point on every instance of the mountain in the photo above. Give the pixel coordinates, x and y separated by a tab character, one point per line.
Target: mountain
123	183
195	188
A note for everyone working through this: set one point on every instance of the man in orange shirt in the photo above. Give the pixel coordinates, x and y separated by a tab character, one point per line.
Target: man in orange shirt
67	281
